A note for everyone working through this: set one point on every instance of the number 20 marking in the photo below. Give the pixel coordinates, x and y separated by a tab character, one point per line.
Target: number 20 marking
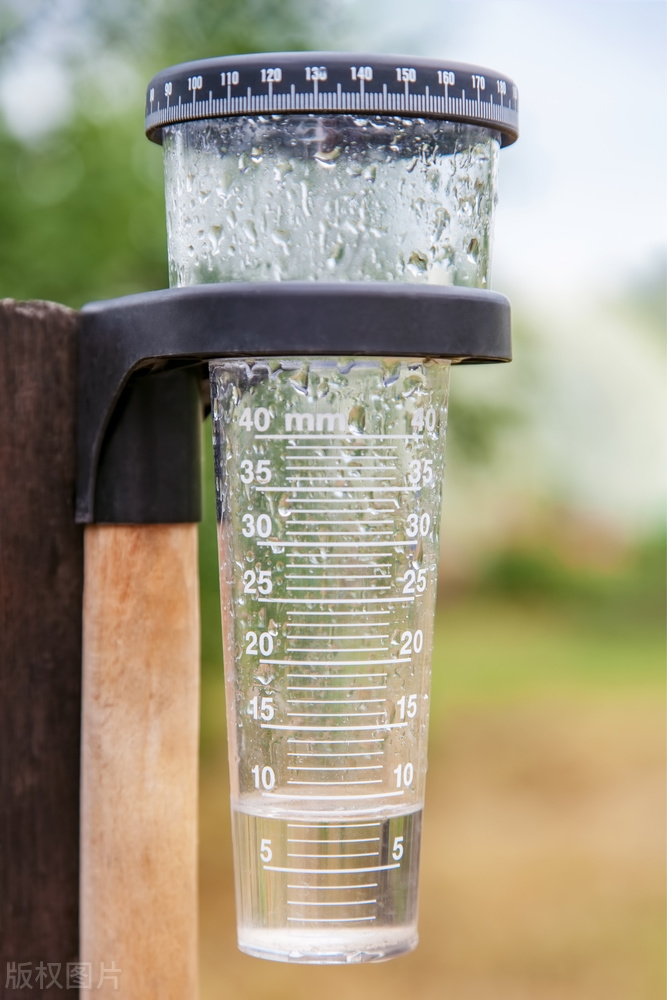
412	641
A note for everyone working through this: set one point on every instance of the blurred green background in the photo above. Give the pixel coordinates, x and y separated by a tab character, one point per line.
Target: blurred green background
543	846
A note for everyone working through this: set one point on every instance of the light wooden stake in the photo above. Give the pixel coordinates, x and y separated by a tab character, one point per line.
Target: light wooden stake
139	760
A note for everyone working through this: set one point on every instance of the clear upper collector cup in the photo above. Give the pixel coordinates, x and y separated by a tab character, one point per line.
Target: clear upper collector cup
329	479
335	198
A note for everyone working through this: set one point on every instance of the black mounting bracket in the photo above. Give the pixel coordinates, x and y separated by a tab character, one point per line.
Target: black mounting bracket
142	362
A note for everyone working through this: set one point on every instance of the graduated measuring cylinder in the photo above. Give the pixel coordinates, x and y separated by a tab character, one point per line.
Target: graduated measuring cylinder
329	490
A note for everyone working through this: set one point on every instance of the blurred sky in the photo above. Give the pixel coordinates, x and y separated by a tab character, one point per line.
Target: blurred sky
583	194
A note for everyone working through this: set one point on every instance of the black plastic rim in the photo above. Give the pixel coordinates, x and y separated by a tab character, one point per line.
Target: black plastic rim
278	83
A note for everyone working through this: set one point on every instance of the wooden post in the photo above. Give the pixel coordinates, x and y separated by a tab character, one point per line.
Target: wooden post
41	583
139	759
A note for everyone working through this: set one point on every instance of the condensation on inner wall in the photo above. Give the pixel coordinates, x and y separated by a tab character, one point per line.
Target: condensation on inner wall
339	198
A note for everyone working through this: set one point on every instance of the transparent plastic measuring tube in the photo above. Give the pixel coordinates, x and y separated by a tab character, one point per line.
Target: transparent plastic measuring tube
329	476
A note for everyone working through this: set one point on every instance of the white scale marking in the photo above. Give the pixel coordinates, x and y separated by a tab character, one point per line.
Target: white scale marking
338	522
348	576
336	729
320	586
336	437
338	600
352	767
330	871
338	663
337	701
330	743
336	452
336	514
332	715
330	479
350	902
349	649
350	556
328	754
359	840
327	920
358	687
336	625
319	637
338	638
343	447
285	488
329	784
292	501
329	826
346	676
300	500
365	854
344	590
330	534
329	888
316	545
339	576
340	466
354	555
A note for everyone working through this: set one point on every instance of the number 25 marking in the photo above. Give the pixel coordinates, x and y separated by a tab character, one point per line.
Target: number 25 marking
413	578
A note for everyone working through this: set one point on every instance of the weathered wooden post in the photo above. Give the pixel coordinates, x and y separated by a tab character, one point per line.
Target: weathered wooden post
41	585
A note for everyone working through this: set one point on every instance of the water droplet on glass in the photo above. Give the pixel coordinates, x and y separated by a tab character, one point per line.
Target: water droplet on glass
299	379
284	505
328	157
357	419
418	260
410	384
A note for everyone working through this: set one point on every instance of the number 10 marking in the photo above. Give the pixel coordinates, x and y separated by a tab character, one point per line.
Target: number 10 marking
404	775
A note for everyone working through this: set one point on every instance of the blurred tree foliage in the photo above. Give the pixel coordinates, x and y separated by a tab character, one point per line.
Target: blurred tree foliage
82	206
628	596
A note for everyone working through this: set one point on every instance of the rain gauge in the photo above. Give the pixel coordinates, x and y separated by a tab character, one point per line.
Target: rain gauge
329	228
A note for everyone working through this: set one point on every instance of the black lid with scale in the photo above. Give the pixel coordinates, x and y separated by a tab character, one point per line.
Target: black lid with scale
332	83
